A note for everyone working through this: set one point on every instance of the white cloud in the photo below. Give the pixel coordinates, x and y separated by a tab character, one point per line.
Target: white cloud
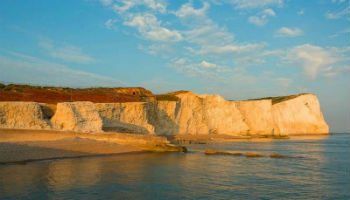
187	10
66	52
269	12
231	48
340	33
338	1
343	13
208	38
122	6
106	2
206	64
262	18
301	12
251	4
208	34
150	28
109	24
203	69
288	32
315	59
17	67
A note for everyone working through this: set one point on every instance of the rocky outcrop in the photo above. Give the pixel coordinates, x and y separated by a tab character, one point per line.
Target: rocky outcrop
299	115
22	115
257	114
131	117
77	116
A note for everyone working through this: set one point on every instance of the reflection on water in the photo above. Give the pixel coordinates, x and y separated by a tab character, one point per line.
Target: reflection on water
322	173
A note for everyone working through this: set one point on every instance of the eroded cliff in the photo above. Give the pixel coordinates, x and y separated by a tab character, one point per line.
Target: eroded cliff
77	116
22	115
174	114
299	115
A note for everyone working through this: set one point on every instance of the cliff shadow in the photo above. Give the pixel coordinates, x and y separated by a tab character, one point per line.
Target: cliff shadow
163	124
122	127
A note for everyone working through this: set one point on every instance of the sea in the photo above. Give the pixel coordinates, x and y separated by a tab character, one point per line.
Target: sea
317	168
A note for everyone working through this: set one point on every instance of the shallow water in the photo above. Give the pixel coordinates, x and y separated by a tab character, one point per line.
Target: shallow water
323	172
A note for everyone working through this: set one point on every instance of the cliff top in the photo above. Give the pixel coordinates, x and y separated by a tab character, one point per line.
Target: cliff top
43	94
53	95
278	99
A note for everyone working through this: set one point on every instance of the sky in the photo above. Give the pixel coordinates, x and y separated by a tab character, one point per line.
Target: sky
239	49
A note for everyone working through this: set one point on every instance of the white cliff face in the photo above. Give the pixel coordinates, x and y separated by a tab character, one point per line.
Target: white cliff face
223	117
194	114
77	116
128	117
22	115
257	114
191	114
190	118
299	115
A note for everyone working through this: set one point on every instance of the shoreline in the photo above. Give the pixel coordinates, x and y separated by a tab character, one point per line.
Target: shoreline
23	146
205	139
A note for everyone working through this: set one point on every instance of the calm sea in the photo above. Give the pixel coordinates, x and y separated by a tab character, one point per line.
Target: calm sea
321	170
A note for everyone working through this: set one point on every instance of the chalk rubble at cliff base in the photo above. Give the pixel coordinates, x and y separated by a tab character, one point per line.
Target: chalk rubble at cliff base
191	114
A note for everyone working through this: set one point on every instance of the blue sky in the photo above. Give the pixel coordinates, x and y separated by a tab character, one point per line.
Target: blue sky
237	48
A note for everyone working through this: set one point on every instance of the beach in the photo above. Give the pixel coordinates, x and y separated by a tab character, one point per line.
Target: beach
20	146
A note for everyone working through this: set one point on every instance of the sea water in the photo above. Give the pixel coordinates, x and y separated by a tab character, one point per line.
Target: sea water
316	169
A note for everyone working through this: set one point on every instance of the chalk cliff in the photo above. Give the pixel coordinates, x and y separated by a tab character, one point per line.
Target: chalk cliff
22	115
77	116
299	115
173	114
132	117
257	114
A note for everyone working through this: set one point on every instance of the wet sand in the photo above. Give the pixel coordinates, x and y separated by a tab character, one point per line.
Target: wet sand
20	146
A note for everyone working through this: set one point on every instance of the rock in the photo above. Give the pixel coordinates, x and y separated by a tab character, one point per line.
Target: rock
279	156
81	116
132	117
257	114
22	115
166	115
253	155
181	113
216	152
299	115
223	117
208	114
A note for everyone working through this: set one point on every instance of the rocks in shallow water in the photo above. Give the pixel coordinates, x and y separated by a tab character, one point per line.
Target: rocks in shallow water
215	152
276	155
246	154
253	155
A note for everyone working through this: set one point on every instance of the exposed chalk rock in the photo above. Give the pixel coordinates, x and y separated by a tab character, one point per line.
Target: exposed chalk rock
132	117
166	116
299	115
200	114
190	118
257	114
80	116
177	113
22	115
223	117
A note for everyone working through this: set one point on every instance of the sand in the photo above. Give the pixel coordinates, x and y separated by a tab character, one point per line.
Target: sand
22	146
